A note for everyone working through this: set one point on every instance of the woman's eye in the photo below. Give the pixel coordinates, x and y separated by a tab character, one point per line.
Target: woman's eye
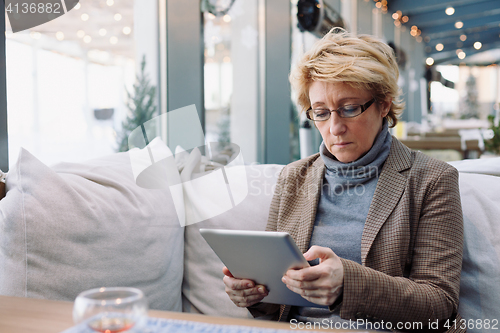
320	113
351	108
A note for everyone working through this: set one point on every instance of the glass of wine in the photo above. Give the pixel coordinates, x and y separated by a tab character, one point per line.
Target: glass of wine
111	310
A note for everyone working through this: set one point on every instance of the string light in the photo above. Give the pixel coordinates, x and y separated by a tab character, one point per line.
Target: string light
450	11
439	47
35	35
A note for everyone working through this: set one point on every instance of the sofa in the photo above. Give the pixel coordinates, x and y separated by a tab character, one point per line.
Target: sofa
76	226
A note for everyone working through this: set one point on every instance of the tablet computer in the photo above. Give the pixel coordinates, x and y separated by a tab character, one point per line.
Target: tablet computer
261	256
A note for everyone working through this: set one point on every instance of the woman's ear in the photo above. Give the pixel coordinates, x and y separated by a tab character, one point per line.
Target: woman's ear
385	107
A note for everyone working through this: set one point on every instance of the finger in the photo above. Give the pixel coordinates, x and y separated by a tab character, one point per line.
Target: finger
305	274
307	292
259	290
315	295
238	284
300	284
317	292
319	252
247	301
226	271
247	297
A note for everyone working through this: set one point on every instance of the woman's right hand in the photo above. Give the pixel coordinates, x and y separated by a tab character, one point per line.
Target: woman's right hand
243	292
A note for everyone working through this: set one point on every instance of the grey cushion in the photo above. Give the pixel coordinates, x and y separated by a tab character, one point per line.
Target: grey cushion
76	226
203	289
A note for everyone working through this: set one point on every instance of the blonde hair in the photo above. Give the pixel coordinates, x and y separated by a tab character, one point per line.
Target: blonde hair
363	62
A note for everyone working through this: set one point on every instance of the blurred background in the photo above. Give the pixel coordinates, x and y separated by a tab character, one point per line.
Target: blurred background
72	88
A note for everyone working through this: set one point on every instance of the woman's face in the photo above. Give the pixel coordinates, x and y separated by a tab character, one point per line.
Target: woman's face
347	138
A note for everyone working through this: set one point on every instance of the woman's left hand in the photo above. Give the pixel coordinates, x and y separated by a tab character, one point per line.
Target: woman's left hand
320	284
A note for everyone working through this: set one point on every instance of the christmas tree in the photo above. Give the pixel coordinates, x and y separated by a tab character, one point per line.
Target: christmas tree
141	104
470	107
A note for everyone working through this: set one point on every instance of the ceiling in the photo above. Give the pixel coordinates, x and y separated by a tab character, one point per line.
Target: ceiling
93	25
480	18
481	23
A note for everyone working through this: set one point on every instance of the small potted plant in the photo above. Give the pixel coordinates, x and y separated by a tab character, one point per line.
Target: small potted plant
493	145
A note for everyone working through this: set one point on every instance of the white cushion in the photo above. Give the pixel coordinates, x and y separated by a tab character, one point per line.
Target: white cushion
484	166
203	289
76	226
480	279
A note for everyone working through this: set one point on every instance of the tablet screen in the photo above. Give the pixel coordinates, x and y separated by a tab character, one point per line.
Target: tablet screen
261	256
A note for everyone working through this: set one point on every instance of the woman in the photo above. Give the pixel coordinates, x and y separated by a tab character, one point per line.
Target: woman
384	221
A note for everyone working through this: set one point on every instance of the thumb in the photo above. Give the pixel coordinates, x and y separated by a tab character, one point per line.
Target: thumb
320	252
226	271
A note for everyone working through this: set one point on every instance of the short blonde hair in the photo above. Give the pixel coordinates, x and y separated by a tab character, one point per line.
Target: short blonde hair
363	62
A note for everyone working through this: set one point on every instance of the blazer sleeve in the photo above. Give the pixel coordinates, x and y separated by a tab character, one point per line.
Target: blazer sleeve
431	290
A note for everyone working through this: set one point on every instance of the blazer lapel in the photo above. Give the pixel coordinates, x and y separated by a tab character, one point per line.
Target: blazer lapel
390	187
310	198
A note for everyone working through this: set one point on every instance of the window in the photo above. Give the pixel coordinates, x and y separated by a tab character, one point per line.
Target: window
67	79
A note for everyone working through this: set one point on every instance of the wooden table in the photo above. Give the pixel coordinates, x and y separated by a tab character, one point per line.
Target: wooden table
29	315
432	143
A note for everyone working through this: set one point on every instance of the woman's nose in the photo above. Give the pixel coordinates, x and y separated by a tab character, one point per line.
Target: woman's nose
337	126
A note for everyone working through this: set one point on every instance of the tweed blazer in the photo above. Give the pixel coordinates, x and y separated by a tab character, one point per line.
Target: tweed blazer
411	247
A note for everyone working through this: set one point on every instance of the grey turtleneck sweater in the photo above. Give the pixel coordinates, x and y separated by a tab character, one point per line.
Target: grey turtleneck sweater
346	196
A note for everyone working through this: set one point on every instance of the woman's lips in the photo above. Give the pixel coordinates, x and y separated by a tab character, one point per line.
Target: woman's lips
341	144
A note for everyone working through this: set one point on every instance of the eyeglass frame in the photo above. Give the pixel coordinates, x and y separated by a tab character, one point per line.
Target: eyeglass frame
363	107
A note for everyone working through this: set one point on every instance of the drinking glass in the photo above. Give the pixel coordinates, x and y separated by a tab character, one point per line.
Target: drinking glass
111	310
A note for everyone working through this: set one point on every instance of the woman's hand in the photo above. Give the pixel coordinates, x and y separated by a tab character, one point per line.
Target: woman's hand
243	292
320	284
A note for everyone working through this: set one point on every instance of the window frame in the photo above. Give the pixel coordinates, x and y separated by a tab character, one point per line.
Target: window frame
4	144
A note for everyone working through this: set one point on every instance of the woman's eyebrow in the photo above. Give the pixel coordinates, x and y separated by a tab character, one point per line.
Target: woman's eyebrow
349	98
317	104
342	101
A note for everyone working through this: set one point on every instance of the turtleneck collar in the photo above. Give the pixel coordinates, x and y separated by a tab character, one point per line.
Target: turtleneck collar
367	166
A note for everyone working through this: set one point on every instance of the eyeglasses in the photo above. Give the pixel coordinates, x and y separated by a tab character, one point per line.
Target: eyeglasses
346	111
